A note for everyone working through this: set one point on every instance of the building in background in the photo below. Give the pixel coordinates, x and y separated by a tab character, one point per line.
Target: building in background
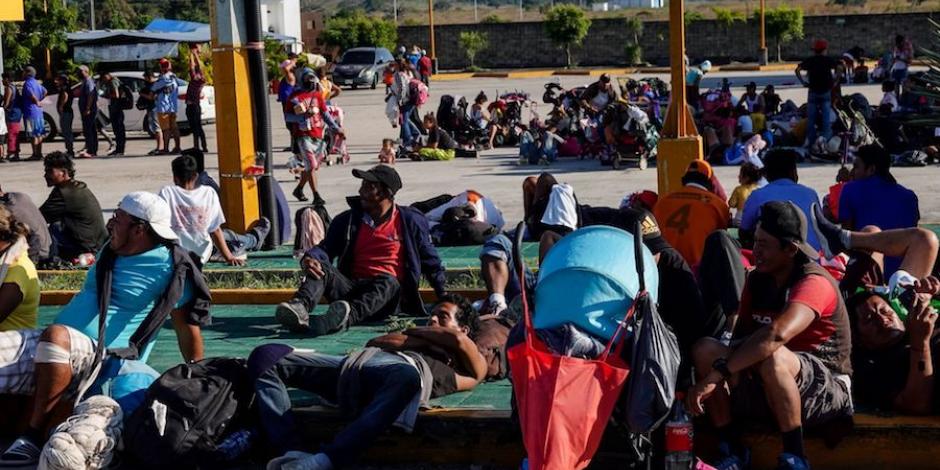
312	24
281	18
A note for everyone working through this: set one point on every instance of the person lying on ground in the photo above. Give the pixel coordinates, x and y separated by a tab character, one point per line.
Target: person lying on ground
23	209
381	250
380	386
71	210
197	218
691	213
152	278
781	173
19	282
894	356
788	362
549	207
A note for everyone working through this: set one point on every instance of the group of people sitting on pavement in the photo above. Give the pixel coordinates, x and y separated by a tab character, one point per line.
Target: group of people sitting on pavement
765	320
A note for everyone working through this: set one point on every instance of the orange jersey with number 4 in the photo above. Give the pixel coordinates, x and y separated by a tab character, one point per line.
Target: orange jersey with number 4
687	216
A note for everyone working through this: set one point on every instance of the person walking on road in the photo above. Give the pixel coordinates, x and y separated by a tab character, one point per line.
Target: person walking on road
66	114
33	93
88	105
112	91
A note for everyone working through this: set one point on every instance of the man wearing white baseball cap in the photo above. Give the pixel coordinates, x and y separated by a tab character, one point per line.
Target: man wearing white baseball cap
151	278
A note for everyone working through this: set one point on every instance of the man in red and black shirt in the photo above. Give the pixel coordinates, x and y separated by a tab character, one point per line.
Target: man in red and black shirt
790	355
381	250
310	117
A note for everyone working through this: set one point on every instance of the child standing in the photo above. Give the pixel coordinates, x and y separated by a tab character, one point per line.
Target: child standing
387	154
748	177
890	97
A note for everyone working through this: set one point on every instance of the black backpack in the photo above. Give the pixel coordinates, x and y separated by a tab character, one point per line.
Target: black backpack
204	402
125	96
144	103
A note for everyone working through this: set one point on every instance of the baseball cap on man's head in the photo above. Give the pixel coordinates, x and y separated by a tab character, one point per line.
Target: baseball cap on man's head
785	221
700	166
151	208
820	45
165	64
383	174
652	236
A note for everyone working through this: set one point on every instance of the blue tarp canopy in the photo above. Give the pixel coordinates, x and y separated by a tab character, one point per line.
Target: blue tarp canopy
157	40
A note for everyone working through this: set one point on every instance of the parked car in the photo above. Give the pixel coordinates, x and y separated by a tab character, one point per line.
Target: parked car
361	66
134	119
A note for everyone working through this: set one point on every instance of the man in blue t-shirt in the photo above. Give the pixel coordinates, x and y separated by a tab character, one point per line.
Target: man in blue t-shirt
780	168
166	105
874	198
53	364
33	93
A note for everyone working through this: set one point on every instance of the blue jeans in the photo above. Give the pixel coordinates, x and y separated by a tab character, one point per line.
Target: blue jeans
238	241
500	247
387	384
818	112
409	131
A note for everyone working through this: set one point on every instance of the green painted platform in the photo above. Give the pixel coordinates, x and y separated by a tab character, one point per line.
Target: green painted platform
454	257
237	329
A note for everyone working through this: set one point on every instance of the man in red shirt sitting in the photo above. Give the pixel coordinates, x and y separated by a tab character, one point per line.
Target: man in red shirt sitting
789	357
381	250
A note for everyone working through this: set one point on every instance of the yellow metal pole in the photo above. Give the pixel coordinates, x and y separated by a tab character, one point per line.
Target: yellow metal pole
681	143
763	35
431	30
234	126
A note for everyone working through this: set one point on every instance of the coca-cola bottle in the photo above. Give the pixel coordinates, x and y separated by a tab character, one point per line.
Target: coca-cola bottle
679	436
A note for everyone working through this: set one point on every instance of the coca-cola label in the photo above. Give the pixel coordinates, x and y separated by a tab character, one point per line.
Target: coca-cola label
679	438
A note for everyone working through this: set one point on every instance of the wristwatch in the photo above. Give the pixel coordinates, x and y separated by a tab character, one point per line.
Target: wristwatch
721	365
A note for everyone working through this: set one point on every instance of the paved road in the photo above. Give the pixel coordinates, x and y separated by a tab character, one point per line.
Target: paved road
494	173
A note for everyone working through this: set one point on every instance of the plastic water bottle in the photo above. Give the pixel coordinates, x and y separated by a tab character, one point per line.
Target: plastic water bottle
679	437
236	444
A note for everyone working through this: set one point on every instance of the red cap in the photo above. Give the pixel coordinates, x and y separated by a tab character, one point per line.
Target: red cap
820	45
164	62
646	198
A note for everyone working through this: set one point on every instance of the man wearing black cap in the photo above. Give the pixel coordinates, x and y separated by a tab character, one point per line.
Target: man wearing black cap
383	249
790	354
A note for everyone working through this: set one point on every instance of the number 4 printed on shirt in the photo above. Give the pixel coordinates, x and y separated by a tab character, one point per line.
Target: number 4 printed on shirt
679	220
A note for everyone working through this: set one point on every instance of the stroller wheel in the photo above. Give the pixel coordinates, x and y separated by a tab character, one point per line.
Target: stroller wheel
643	163
615	162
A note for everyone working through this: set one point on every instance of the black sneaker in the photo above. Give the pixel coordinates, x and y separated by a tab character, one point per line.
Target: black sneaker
335	319
22	453
299	194
293	315
318	200
828	233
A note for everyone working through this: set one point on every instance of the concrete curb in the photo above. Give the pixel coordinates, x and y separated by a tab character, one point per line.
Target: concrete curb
521	73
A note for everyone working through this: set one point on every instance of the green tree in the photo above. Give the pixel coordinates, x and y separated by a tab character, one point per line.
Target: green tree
274	54
492	19
25	42
634	29
783	24
566	25
117	14
355	29
472	42
727	18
